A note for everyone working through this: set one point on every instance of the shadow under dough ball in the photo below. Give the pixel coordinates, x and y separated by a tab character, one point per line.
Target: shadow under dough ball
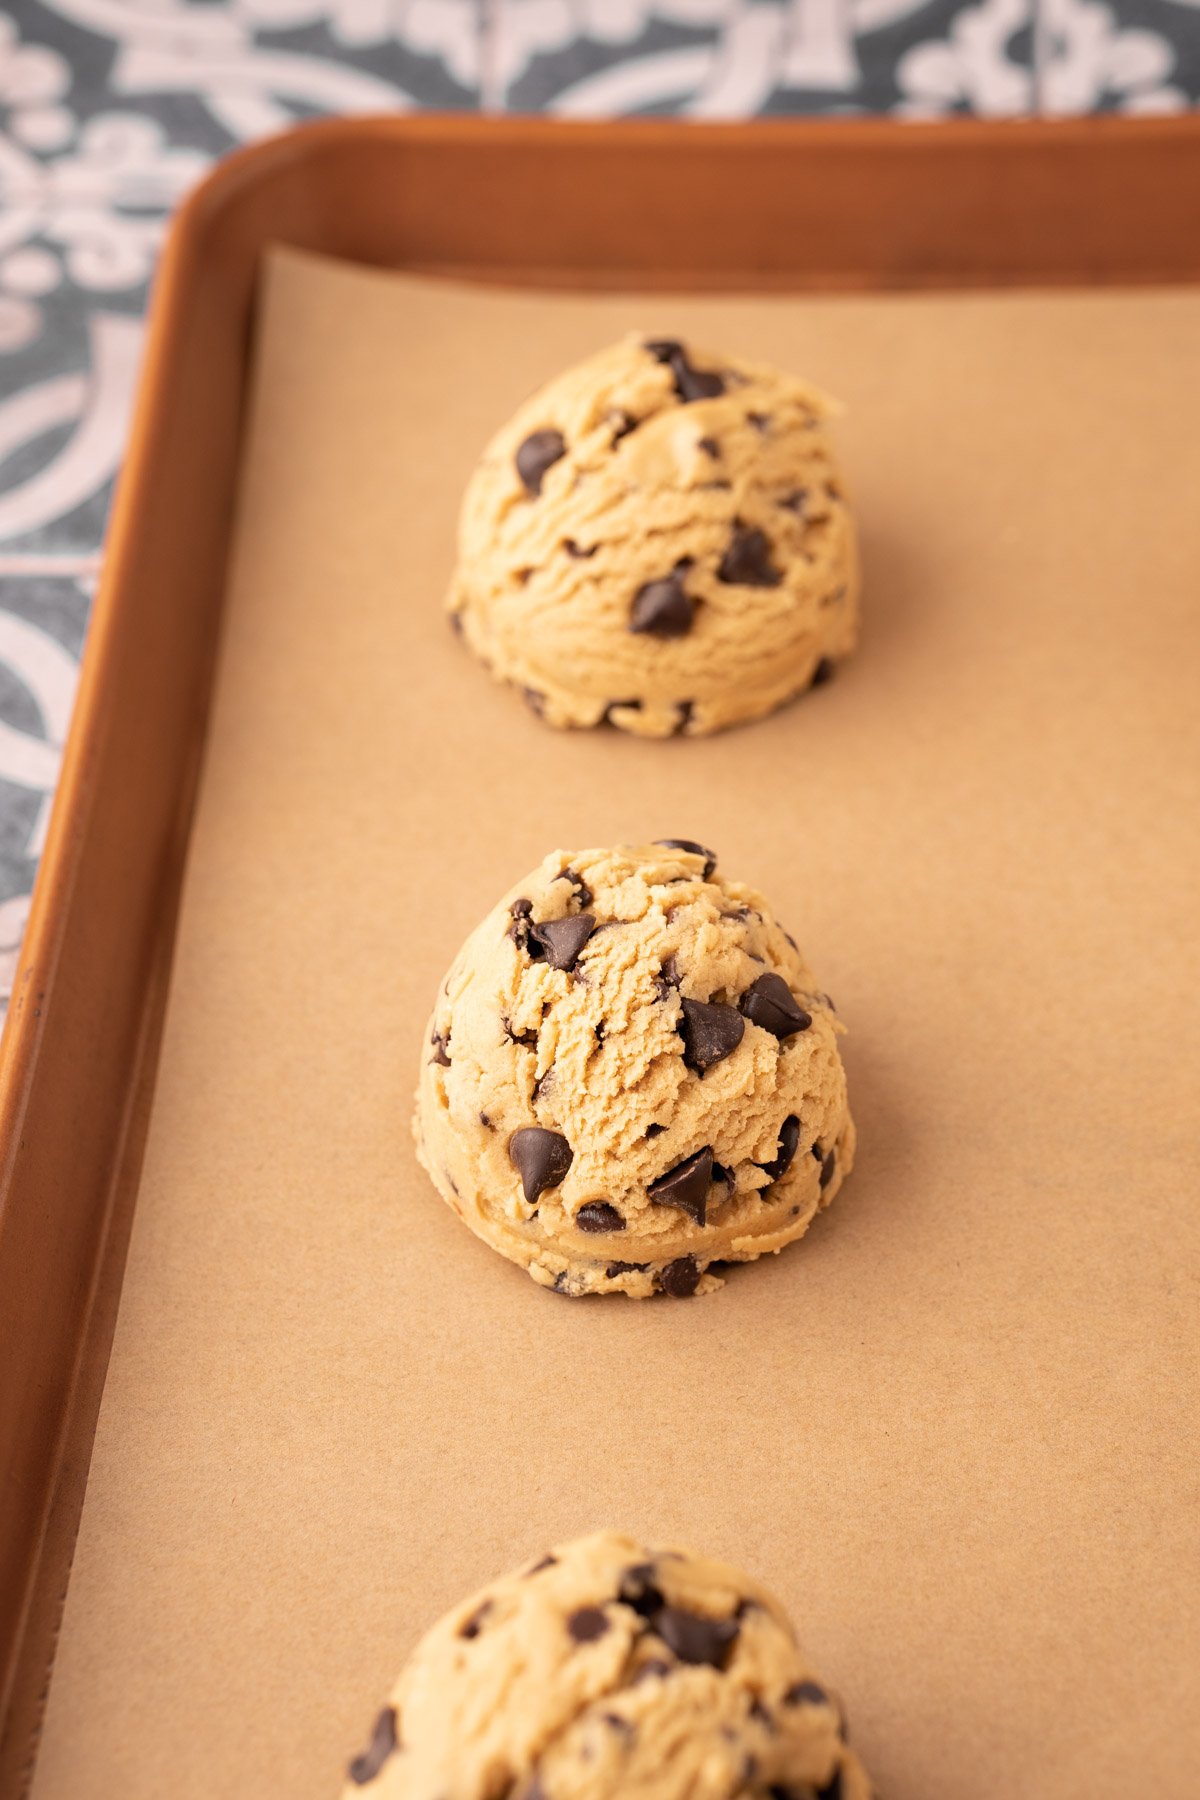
606	1668
631	1074
659	540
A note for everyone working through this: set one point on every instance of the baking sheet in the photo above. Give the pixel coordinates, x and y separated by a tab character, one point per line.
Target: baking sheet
956	1427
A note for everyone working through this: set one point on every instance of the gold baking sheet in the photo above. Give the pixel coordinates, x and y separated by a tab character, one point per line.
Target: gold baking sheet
956	1428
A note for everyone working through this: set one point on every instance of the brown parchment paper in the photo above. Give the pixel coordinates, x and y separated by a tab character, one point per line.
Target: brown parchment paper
957	1427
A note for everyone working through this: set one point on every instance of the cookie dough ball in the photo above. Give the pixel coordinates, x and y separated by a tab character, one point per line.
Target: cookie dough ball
659	539
630	1074
606	1669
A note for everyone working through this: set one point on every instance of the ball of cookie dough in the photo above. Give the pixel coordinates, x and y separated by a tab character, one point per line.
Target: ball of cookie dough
659	539
631	1074
605	1668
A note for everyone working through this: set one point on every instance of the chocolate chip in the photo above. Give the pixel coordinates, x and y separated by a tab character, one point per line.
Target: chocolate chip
690	383
486	1122
806	1693
541	1157
761	1716
623	1268
769	1002
686	709
543	1084
789	1139
722	1174
538	453
606	717
649	1671
583	892
598	1215
747	561
587	1624
527	1038
561	940
639	1590
680	1278
822	673
817	1151
577	550
794	502
441	1046
383	1743
760	421
669	971
655	1130
693	849
470	1628
519	912
623	1727
534	701
548	1562
624	424
686	1186
709	445
833	1787
827	1169
710	1033
661	608
696	1640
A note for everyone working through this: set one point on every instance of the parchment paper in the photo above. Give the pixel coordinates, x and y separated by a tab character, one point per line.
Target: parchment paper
955	1428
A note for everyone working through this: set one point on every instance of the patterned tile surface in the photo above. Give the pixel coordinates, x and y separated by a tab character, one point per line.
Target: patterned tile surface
111	109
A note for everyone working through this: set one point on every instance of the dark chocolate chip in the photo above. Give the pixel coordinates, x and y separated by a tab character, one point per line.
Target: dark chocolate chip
577	550
655	1130
539	452
470	1628
441	1047
383	1743
548	1562
686	709
606	717
822	673
690	383
661	608
789	1140
519	912
760	421
527	1038
543	1084
686	1186
827	1169
833	1787
623	1727
583	892
747	561
761	1716
794	502
639	1590
693	849
625	423
769	1002
542	1158
681	1278
561	940
655	1668
710	1033
486	1122
598	1215
562	1284
709	445
623	1268
696	1640
806	1693
669	971
817	1151
587	1624
722	1174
